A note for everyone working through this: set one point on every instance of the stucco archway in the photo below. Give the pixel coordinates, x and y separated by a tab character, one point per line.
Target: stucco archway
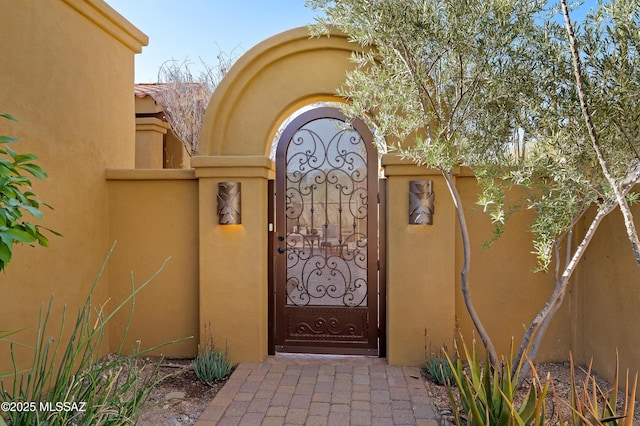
269	83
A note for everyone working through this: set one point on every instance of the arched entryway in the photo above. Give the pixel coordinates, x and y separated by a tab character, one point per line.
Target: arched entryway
325	294
268	84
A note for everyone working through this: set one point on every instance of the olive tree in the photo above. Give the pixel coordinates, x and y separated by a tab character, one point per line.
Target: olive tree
491	84
592	107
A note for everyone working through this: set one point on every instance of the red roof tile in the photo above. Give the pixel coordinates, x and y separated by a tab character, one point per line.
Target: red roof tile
154	90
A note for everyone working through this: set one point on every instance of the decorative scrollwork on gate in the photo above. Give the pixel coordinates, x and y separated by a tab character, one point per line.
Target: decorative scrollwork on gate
326	215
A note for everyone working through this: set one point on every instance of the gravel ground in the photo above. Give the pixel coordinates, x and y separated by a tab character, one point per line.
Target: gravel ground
180	398
560	374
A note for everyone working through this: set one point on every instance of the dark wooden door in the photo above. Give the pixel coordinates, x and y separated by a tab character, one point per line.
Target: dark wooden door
326	236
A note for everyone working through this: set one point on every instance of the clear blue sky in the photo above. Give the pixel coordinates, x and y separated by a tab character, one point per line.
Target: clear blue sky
178	29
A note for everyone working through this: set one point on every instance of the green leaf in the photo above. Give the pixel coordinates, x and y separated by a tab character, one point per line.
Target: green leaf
34	211
7	116
6	169
633	198
8	139
30	228
36	171
528	408
20	235
57	234
42	240
11	152
5	253
23	158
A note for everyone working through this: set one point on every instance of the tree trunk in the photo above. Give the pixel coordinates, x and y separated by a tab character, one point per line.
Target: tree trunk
464	278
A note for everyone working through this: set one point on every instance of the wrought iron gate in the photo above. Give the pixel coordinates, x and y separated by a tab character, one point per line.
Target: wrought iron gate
326	292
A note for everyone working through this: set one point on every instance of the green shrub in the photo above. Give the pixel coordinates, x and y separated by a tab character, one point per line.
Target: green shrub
486	393
211	364
17	199
106	391
438	369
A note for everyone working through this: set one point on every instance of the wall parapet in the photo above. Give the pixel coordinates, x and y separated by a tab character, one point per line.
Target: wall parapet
114	24
239	166
150	174
396	165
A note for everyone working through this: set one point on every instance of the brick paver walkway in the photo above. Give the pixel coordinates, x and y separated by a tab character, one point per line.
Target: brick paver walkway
321	390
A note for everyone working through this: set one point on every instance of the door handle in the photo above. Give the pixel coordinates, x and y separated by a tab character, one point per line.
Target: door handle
281	250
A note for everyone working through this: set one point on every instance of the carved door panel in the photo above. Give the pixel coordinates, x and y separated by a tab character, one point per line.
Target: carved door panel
326	245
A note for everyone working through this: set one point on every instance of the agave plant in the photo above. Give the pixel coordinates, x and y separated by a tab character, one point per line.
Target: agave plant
592	406
487	392
70	370
211	364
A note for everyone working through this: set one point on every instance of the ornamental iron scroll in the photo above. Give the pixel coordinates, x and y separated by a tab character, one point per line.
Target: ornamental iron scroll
421	202
229	203
326	216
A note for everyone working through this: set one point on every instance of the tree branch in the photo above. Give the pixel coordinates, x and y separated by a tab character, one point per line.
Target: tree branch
540	322
632	233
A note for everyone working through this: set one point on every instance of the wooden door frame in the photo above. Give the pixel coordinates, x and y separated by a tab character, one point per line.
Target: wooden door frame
271	250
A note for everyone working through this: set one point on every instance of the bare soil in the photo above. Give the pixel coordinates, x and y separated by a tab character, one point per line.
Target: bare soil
180	398
560	374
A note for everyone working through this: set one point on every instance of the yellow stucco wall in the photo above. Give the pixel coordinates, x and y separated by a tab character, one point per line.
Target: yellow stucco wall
266	85
175	154
423	273
67	76
150	135
423	263
233	258
609	298
77	114
157	146
506	292
153	216
420	280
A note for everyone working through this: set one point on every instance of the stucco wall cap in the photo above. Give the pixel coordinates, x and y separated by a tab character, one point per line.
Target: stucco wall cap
151	124
199	161
394	164
105	17
149	174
